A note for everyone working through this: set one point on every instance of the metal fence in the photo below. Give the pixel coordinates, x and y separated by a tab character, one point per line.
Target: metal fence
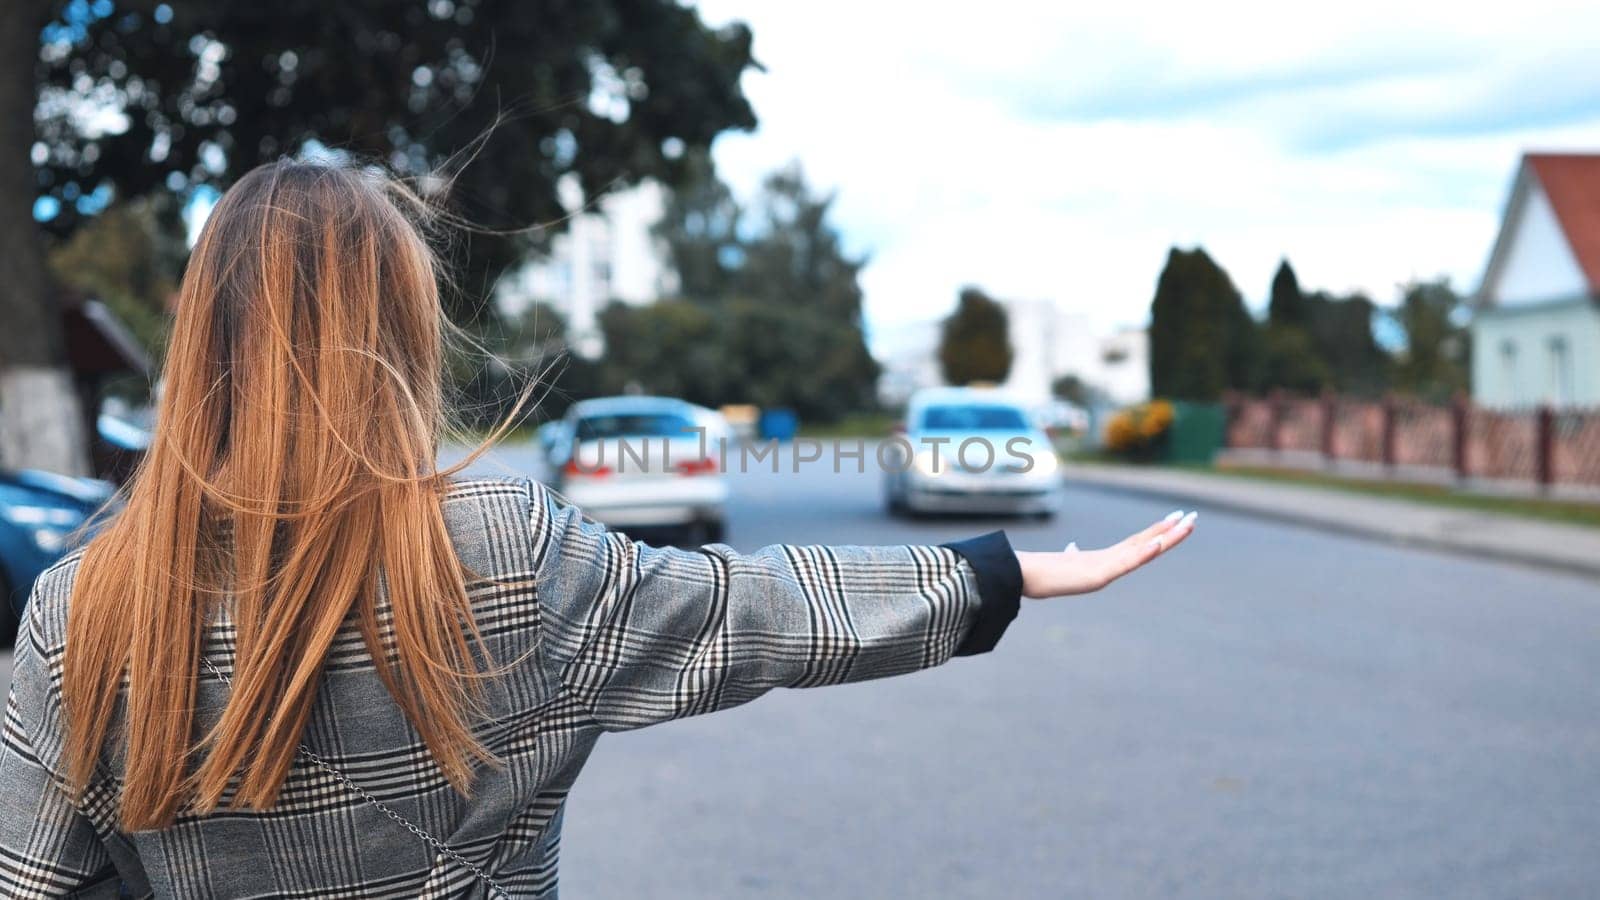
1544	445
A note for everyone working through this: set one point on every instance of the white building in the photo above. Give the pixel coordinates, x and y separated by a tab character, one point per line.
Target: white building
1124	369
909	355
1047	343
1536	325
607	252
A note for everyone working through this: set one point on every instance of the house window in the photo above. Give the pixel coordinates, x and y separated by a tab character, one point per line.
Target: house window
1508	372
1560	371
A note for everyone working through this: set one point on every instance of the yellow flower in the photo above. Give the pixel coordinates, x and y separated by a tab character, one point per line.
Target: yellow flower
1121	432
1139	426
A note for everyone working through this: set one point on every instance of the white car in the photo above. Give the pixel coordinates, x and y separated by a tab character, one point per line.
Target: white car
970	450
642	464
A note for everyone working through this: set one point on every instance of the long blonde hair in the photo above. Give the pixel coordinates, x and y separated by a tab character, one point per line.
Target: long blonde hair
293	461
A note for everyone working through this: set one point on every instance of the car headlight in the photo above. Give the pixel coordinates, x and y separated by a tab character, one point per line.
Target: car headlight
929	463
1032	462
1045	463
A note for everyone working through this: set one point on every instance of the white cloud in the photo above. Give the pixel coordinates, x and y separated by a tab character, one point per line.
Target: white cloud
1057	150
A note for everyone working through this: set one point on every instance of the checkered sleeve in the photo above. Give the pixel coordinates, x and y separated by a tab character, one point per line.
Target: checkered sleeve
642	634
48	848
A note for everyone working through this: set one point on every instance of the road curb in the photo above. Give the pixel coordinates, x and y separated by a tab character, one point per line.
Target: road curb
1570	564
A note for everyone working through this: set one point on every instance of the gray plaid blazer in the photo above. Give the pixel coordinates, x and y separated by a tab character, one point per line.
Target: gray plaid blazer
612	635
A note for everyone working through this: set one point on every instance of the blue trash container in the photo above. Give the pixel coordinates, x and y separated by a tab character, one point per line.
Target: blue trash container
780	424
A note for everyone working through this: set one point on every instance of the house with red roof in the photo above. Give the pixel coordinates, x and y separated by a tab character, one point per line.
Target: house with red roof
1536	317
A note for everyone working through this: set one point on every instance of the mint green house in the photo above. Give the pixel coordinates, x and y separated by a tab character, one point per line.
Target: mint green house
1536	318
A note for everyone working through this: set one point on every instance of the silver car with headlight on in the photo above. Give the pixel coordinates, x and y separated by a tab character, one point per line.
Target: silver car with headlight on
970	450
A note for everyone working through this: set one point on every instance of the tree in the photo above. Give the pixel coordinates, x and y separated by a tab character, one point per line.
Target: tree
975	342
1435	363
1319	341
1342	337
783	294
797	265
700	228
671	347
1287	304
486	105
486	378
131	258
1202	339
1290	360
40	422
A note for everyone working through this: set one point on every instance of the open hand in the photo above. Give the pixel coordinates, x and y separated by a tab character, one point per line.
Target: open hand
1074	571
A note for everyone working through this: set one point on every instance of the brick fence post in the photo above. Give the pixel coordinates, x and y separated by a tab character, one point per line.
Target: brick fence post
1460	412
1330	412
1545	444
1388	439
1275	429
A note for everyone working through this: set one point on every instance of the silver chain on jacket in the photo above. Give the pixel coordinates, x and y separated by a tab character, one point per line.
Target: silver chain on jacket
495	888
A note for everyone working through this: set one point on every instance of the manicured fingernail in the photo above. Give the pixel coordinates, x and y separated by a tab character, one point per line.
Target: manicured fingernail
1189	520
1072	547
1173	516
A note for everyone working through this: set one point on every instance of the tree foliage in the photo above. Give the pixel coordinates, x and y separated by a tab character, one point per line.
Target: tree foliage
1287	303
196	92
1202	339
486	105
672	347
1342	338
1290	361
701	231
486	377
1435	363
768	311
1318	341
130	257
975	341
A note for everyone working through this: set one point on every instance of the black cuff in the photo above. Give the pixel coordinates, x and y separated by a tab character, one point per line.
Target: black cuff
999	578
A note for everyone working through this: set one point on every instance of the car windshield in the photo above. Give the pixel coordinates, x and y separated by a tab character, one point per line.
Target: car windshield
973	418
636	424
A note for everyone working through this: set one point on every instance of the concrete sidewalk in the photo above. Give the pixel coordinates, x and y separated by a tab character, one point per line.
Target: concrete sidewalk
1547	545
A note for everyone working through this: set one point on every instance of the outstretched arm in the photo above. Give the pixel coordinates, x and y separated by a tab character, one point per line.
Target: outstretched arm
640	634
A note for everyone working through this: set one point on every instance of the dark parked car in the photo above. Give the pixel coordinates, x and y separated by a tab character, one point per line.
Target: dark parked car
38	513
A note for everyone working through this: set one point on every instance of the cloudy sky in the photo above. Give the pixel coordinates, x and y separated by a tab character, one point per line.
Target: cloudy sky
1056	150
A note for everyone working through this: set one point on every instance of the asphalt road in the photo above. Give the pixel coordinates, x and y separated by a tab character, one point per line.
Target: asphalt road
1268	712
